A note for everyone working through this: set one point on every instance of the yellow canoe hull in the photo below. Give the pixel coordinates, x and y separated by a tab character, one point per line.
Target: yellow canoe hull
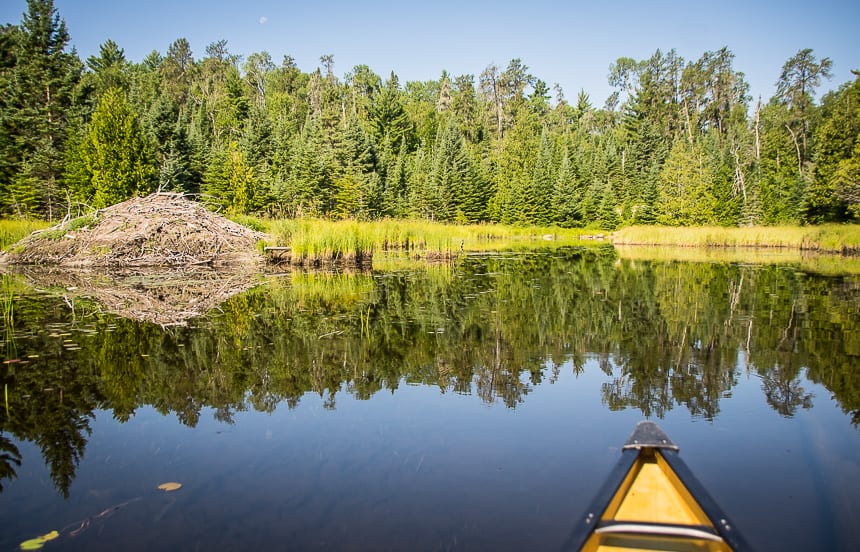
653	502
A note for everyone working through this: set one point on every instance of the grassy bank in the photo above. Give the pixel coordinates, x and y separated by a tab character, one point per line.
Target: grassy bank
13	230
314	240
813	262
830	238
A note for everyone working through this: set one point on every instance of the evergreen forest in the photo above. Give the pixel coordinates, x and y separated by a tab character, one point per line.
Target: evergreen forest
679	142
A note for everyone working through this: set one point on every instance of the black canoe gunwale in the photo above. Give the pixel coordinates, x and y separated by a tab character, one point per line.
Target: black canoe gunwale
649	438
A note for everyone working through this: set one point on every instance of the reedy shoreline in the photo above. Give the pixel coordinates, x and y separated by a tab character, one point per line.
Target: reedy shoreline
829	238
315	241
320	241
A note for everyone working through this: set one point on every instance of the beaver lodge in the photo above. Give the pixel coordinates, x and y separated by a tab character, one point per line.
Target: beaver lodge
159	230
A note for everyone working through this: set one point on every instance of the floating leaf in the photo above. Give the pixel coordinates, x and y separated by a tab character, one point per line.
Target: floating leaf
171	486
33	544
39	542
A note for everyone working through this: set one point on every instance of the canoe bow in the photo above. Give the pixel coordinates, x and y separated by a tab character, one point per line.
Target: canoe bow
652	501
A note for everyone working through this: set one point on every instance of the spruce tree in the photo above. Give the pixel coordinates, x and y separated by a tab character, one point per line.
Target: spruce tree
567	195
538	199
168	134
607	216
109	69
394	187
388	118
38	91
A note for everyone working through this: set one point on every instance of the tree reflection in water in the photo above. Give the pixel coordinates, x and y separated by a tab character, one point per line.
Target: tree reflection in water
10	459
666	334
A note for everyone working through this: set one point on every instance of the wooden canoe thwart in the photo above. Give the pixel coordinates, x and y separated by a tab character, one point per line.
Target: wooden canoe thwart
652	501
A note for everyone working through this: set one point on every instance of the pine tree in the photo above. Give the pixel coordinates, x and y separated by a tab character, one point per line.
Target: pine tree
8	61
177	71
420	196
846	180
358	190
258	147
464	104
799	78
459	194
38	98
348	200
313	172
515	170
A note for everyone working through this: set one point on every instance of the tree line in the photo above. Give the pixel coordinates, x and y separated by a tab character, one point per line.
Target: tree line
679	142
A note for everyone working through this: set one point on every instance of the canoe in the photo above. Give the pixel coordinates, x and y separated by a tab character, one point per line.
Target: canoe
652	501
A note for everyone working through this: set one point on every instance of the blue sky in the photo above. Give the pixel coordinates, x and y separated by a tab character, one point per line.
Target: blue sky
567	42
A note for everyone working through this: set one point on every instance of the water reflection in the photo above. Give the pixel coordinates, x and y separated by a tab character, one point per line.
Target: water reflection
166	297
666	334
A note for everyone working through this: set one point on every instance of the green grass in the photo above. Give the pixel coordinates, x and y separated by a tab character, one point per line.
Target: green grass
316	240
830	238
60	230
12	230
254	223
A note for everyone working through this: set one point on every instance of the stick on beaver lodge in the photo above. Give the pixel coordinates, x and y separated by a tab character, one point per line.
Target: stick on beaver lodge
162	229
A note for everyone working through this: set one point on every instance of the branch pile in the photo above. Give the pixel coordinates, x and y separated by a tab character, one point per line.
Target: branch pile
162	229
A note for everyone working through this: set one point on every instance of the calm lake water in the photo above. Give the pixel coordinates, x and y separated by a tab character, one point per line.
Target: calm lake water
471	406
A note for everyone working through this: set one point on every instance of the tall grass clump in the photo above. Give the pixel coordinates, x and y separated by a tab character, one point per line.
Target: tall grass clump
12	230
314	240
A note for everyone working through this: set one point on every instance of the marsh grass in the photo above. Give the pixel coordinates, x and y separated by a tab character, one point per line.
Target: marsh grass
12	230
831	238
313	241
827	264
